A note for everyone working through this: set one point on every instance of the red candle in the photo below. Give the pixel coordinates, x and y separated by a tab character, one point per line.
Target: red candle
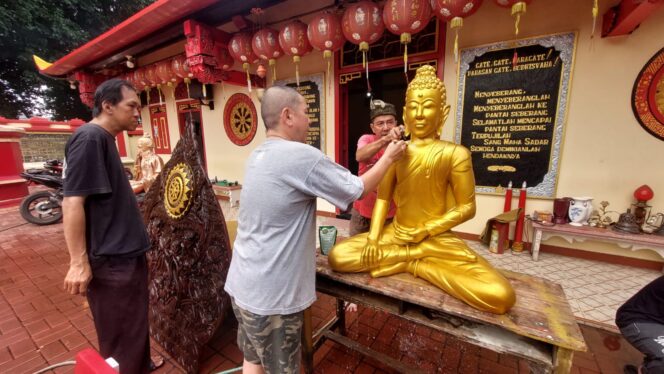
517	245
508	198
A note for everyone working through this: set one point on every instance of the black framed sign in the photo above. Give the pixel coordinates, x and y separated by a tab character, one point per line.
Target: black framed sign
511	109
312	87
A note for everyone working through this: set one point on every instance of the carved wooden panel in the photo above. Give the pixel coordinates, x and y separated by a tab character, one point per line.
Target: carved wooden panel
189	257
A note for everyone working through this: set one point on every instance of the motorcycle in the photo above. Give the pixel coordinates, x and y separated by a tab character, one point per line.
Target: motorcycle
44	207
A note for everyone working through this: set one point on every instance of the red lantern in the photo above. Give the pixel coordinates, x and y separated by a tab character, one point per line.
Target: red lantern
265	45
362	24
240	49
180	68
139	78
324	33
518	8
293	40
164	73
453	12
151	75
224	59
406	17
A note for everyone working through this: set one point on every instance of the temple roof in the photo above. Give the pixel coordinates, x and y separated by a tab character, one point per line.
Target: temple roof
153	18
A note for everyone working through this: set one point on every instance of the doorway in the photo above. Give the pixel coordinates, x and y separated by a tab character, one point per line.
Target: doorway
388	85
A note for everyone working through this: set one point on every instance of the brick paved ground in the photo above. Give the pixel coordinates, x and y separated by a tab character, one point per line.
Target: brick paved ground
41	325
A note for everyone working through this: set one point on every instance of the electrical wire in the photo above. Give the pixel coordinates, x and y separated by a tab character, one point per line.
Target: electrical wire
64	363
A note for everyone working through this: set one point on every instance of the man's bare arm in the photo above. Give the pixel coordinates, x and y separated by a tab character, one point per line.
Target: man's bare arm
373	176
365	153
79	274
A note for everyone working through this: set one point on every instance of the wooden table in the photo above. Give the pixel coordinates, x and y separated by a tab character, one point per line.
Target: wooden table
540	328
583	233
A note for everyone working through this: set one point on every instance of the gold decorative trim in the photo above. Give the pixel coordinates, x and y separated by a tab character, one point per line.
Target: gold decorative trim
177	192
13	140
345	78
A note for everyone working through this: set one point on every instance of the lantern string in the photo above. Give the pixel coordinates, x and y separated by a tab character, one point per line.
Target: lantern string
405	58
248	79
456	45
595	13
367	73
159	93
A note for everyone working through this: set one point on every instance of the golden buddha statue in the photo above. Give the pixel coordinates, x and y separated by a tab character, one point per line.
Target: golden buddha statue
147	165
433	188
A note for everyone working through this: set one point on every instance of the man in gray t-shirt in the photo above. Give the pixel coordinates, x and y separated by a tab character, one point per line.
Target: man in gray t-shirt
272	274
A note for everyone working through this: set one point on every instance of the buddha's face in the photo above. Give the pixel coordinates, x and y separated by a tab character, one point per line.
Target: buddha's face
424	113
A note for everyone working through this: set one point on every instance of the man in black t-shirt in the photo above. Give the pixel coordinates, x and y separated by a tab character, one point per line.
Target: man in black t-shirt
641	321
104	230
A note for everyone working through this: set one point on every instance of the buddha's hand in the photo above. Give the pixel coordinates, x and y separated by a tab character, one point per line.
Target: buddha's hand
410	235
371	255
395	150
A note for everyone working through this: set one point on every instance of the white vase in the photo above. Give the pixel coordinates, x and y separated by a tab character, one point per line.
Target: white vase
580	209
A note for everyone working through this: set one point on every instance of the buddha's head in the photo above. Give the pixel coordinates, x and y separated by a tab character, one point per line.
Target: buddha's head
425	110
145	144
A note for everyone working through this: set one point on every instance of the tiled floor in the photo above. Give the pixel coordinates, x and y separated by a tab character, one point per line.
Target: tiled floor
40	325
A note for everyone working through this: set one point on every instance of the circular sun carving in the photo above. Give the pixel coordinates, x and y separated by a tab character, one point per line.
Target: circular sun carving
177	194
648	96
240	119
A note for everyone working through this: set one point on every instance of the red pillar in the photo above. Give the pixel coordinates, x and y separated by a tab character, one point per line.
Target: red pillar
12	187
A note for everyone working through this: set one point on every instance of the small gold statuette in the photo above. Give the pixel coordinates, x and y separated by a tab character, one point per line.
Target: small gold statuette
177	194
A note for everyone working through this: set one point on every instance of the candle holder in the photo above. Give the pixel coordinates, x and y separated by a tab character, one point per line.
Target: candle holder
641	209
560	208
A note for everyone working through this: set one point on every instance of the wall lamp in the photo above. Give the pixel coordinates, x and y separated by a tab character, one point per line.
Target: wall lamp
202	93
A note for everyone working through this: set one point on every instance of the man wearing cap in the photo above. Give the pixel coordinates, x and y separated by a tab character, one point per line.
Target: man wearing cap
370	148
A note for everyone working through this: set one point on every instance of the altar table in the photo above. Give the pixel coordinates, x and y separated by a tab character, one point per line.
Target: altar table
540	328
582	233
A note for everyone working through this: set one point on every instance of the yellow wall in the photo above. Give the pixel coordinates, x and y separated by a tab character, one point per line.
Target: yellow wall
605	154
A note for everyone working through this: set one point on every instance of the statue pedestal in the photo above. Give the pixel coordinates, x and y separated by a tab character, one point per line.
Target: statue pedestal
12	187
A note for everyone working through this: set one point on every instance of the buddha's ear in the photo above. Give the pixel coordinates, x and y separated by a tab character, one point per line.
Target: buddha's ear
446	112
443	118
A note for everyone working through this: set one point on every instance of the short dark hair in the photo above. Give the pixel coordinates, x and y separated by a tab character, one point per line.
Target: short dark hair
111	91
274	100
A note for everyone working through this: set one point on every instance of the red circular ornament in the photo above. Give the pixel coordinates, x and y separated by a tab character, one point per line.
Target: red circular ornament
240	119
151	74
139	78
163	71
180	67
224	59
644	193
446	10
265	44
648	96
293	39
406	17
240	48
324	32
362	24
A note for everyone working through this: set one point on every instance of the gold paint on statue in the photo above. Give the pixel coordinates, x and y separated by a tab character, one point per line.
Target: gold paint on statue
177	194
433	188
